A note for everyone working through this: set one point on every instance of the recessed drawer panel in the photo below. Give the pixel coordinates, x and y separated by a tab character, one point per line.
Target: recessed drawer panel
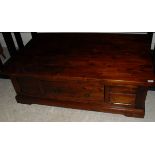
121	95
122	99
123	89
63	90
79	91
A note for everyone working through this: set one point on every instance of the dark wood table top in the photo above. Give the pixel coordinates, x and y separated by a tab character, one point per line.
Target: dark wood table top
87	55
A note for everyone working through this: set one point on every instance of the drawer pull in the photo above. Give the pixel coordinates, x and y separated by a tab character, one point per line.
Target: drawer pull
118	103
87	95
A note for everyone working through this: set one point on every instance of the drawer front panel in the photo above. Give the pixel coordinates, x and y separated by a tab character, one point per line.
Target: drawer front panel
121	99
121	95
79	91
66	90
123	90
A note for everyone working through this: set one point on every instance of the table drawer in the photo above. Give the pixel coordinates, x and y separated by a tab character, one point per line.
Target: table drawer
122	99
66	90
120	95
123	89
79	91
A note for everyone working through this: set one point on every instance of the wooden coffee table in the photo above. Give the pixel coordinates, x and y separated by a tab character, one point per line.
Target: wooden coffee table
91	71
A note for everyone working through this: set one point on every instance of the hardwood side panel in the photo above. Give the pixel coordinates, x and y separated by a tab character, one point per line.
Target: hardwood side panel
16	85
131	112
140	97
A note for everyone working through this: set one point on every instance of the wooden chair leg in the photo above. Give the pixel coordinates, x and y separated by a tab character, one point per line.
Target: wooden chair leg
153	55
19	40
1	74
0	63
150	34
34	34
9	42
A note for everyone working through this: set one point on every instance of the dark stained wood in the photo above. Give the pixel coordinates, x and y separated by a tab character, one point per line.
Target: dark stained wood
92	71
16	85
34	35
0	60
1	64
153	59
19	40
100	56
130	112
140	97
120	95
81	91
1	51
9	42
150	34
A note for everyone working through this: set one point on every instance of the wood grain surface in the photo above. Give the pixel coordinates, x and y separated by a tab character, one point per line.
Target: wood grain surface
92	71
